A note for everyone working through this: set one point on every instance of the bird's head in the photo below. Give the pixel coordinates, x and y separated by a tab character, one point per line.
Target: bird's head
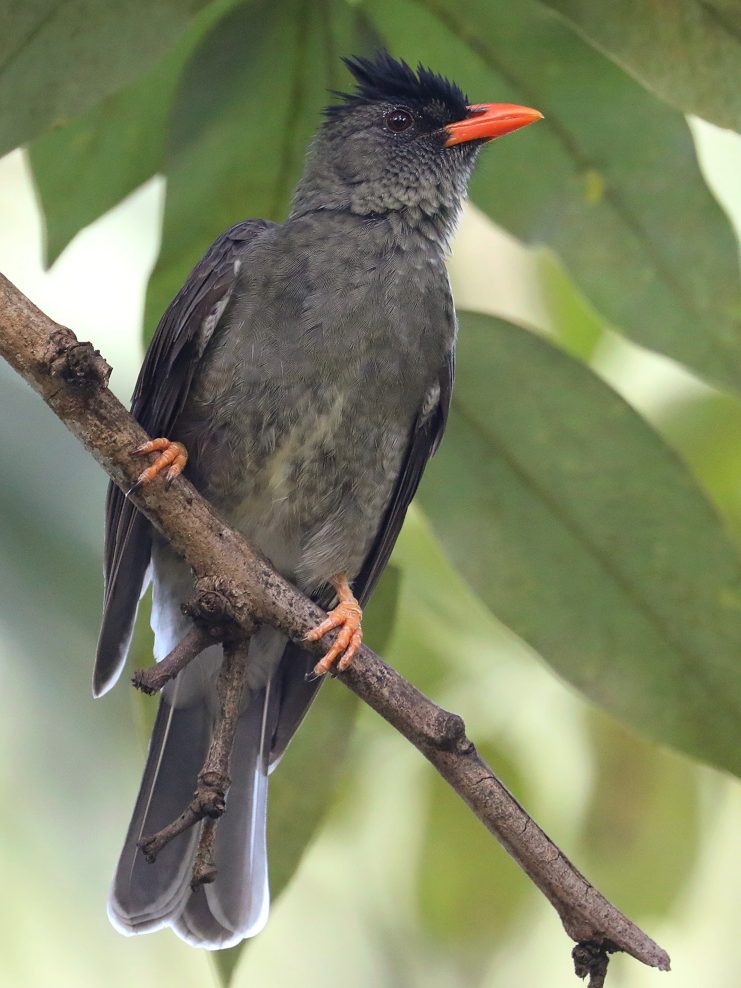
403	141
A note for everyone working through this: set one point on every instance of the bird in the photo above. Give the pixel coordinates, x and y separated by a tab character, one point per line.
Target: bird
301	378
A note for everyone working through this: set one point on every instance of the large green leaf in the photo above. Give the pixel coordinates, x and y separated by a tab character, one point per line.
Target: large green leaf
247	106
60	57
609	179
688	51
705	427
85	168
590	539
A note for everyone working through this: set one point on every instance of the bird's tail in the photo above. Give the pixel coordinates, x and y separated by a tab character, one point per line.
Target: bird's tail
145	896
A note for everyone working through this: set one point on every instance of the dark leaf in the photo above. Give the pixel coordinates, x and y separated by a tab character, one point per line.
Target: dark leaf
688	52
469	891
590	539
380	613
609	180
57	59
85	168
297	806
705	426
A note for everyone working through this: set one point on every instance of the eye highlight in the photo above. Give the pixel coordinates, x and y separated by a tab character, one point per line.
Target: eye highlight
399	120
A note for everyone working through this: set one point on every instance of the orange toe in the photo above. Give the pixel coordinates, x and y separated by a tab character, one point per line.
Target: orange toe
172	457
347	616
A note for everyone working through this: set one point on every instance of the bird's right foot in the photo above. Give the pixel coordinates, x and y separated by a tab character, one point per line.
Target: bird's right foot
172	457
347	616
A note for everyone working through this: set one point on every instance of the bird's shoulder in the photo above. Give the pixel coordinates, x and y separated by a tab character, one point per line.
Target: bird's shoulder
189	322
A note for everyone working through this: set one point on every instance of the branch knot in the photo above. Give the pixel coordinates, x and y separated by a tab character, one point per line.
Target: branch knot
77	364
591	958
212	604
448	733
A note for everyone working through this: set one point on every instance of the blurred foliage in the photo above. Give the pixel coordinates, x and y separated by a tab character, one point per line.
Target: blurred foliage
86	167
566	513
596	528
59	59
456	858
635	782
688	52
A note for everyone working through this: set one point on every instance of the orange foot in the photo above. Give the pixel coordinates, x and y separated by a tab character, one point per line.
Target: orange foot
171	455
347	615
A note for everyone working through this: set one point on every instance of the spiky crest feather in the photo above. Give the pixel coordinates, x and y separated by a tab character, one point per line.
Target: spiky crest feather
385	78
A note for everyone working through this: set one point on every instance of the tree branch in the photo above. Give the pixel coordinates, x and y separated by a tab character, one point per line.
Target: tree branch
234	579
153	678
209	799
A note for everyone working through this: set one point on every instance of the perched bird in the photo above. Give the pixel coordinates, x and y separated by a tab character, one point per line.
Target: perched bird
304	373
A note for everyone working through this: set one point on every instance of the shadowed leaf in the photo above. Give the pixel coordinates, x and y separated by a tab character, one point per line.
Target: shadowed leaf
590	539
305	783
85	168
380	613
705	427
301	788
57	59
609	179
688	51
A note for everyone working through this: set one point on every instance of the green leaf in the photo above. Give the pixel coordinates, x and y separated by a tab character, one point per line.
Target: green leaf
225	962
85	168
60	57
589	538
631	843
688	52
247	107
609	179
705	427
303	784
379	615
432	597
573	322
141	655
469	893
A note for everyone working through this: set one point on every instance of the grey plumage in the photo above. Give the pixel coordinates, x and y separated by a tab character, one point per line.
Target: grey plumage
307	367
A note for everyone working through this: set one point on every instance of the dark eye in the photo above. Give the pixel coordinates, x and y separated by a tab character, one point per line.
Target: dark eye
398	120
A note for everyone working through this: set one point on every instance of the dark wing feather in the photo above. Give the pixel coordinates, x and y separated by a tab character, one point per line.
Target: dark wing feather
160	393
423	444
294	692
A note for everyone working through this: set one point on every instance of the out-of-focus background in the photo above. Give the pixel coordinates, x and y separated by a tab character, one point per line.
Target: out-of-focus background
398	884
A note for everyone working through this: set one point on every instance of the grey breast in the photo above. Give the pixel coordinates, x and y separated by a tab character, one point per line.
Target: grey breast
305	399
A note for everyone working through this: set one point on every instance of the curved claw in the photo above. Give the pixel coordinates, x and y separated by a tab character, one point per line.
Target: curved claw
347	616
173	456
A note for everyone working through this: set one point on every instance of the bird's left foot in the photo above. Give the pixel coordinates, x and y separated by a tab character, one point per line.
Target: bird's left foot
172	457
348	616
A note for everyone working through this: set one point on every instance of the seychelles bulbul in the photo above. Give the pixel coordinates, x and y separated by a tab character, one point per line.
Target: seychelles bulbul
304	375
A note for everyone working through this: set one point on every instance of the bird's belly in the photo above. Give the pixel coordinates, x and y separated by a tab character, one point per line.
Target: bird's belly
314	485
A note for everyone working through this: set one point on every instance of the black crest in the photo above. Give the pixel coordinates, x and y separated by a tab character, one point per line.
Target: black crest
391	80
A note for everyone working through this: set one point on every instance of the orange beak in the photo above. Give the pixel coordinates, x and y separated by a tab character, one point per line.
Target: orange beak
485	121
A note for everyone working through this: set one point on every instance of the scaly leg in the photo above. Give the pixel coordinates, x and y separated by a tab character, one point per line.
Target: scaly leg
347	615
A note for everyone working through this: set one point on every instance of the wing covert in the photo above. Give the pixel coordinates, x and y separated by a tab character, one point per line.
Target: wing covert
159	396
